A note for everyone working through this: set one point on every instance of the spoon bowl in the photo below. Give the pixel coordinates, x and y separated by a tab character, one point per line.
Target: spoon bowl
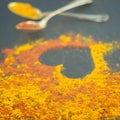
25	10
29	26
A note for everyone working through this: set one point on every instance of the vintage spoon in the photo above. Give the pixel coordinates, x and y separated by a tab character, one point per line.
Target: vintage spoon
37	14
33	26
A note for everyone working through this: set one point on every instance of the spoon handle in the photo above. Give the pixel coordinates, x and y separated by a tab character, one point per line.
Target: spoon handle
88	17
69	6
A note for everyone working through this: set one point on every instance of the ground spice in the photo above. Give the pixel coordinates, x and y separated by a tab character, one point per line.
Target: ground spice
27	26
24	9
32	90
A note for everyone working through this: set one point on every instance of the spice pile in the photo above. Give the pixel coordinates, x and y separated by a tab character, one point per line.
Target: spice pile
30	90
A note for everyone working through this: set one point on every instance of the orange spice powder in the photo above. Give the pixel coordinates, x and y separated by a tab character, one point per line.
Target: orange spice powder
32	90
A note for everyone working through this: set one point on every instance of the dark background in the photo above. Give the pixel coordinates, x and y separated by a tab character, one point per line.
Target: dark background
77	62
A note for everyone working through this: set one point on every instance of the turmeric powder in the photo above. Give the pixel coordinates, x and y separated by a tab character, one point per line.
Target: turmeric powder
30	90
24	9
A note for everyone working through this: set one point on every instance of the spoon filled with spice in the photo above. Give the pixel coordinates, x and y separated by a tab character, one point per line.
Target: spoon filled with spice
33	26
26	10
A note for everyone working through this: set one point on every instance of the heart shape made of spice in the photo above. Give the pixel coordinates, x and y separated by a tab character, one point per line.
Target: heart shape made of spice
76	57
33	90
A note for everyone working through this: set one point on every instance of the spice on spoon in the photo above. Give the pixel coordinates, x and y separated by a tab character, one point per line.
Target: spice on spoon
27	25
25	10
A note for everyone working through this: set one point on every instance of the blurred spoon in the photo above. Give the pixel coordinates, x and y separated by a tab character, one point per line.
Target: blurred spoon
26	10
87	17
33	26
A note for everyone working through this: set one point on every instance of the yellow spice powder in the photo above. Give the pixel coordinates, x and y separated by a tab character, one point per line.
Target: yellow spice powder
30	90
24	10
